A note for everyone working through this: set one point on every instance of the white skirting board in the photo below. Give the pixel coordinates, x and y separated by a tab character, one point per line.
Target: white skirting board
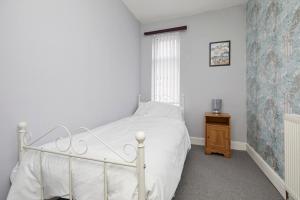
275	179
241	146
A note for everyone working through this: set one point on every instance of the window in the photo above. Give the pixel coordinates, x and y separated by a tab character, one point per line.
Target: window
166	68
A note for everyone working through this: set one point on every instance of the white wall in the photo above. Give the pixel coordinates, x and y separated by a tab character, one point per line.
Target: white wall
74	62
199	82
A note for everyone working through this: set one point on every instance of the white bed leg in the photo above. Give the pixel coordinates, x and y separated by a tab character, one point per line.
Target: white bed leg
22	128
140	162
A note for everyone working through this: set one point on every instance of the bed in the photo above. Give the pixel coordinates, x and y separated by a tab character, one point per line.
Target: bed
116	161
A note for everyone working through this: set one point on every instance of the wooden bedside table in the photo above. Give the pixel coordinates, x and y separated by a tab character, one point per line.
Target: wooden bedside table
217	134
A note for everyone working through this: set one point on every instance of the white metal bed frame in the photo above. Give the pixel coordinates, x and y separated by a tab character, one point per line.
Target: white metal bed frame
70	153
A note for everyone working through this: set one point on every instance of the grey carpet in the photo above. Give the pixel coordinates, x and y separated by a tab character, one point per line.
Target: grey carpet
213	177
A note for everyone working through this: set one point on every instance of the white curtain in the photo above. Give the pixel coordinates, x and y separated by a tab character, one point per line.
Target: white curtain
166	68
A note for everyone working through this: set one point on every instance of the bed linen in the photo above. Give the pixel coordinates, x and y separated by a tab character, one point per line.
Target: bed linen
166	145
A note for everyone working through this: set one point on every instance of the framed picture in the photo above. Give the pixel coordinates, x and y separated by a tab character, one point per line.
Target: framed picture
219	53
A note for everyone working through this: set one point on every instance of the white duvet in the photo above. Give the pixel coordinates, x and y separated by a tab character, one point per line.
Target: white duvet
166	145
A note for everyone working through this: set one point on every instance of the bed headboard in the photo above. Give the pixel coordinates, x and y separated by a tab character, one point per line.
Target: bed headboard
180	103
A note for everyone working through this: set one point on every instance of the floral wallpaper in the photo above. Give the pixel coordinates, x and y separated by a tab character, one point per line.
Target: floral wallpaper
273	74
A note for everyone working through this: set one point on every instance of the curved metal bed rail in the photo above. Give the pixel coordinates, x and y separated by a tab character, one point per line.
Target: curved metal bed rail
56	141
73	148
108	146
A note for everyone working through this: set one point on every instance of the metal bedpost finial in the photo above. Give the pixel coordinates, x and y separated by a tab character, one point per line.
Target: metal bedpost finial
140	137
22	126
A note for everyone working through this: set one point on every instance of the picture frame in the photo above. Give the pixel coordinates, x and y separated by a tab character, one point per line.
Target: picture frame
220	53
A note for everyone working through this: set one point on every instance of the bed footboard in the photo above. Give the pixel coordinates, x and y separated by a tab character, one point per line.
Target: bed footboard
70	153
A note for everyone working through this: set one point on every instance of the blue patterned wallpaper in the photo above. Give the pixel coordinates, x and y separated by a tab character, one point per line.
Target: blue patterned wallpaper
273	74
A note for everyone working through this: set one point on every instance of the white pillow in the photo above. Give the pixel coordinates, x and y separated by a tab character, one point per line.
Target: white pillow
156	109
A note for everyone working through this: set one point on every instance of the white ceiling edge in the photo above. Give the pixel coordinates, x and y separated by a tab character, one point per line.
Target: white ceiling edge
151	11
183	16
